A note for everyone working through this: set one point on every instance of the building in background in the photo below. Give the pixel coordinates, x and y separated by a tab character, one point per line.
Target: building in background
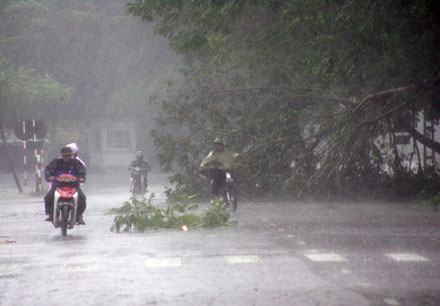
112	144
412	153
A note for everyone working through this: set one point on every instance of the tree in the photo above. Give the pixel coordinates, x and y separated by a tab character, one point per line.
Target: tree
306	87
25	94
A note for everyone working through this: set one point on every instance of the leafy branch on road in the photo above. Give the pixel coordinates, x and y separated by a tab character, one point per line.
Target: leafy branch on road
180	213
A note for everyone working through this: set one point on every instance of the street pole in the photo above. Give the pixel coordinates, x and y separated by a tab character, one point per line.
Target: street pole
38	161
25	155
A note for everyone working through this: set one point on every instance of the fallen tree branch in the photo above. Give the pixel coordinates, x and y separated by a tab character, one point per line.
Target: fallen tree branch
383	95
433	145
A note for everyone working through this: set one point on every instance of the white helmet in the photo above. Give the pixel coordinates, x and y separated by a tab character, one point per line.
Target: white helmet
74	147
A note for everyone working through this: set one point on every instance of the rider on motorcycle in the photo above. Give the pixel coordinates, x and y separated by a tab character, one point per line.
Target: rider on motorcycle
216	164
75	151
64	164
141	164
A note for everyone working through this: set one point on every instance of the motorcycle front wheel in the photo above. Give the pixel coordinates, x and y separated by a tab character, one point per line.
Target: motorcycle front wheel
133	187
231	198
64	219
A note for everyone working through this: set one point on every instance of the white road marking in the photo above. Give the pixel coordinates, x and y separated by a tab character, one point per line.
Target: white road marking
325	257
345	271
242	259
407	257
10	270
301	243
79	266
391	301
163	262
290	236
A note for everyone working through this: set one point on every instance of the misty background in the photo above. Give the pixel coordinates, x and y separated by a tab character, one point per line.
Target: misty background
88	66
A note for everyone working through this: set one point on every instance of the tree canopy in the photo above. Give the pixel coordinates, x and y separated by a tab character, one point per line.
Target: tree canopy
93	47
25	93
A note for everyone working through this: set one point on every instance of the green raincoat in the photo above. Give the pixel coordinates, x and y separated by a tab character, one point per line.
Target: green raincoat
225	160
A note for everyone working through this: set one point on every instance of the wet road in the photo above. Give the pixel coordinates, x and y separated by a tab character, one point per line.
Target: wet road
277	254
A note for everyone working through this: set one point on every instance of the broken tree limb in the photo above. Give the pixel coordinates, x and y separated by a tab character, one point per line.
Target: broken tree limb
384	95
433	145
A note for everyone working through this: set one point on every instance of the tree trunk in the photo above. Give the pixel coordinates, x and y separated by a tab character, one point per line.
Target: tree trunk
416	146
8	155
419	159
397	164
5	144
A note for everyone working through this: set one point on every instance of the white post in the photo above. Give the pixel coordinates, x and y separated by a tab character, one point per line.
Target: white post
24	154
38	161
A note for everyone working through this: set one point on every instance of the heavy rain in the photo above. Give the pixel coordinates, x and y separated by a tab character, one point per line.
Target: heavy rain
219	152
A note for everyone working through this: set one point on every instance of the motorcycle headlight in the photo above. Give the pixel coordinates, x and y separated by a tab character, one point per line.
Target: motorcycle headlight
229	178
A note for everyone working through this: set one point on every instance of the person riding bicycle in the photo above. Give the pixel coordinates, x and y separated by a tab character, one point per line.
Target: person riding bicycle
64	164
139	166
216	164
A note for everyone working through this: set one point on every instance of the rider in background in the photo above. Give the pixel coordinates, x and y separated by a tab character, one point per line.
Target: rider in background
140	163
217	163
58	166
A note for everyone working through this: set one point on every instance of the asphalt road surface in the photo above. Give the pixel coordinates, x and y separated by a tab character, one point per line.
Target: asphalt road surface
275	254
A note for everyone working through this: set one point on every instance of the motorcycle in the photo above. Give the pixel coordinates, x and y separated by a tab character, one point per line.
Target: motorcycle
65	202
227	191
138	181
